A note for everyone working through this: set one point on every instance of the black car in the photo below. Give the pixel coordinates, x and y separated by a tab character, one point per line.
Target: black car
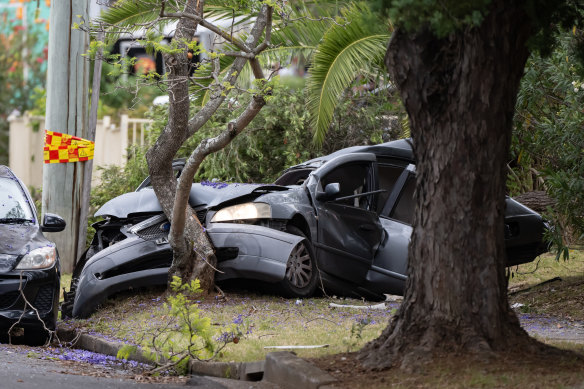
342	221
29	264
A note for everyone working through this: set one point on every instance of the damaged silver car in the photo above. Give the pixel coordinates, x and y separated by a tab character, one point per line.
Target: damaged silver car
342	221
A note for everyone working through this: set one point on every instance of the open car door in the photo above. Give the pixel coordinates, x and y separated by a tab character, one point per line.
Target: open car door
349	230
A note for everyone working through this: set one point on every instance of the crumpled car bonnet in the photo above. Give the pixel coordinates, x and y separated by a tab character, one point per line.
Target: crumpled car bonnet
208	194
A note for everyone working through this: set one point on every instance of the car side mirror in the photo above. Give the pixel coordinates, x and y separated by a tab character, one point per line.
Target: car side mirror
330	192
53	223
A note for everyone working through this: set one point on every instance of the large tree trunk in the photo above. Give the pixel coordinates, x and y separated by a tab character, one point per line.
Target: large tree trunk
459	92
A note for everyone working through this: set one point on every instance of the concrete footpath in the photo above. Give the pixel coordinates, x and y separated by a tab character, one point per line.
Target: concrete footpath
280	369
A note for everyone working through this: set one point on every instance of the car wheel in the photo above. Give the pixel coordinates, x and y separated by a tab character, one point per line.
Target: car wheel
301	271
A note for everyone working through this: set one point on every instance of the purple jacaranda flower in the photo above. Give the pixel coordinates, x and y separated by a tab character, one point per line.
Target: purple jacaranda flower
238	320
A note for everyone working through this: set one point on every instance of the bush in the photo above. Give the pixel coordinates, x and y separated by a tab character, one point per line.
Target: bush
548	139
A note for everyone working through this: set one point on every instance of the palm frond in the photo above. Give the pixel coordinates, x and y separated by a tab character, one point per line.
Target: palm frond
343	53
220	9
216	11
130	16
289	43
127	12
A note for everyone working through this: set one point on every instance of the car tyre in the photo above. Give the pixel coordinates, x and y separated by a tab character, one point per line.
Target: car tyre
301	271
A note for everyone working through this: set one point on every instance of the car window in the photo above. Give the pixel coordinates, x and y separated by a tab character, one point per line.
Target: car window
294	177
404	209
388	175
147	183
13	202
354	179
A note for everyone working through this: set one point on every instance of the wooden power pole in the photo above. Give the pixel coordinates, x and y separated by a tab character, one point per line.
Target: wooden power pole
66	112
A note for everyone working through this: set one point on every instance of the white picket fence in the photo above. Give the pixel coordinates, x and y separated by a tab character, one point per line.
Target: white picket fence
111	143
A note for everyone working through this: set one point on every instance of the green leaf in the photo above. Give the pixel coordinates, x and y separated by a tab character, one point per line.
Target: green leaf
131	16
126	351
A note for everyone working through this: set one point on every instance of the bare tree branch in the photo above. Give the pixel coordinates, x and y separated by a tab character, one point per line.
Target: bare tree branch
240	54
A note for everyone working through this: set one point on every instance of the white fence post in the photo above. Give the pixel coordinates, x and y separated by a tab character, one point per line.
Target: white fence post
124	138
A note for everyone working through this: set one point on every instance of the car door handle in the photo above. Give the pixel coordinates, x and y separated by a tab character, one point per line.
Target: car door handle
367	227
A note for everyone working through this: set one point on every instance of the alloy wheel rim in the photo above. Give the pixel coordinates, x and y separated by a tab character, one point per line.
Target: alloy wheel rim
299	267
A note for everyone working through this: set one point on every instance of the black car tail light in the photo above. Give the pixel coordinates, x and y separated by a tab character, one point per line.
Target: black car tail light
511	230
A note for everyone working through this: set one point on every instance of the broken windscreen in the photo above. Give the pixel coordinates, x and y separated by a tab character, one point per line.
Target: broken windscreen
14	204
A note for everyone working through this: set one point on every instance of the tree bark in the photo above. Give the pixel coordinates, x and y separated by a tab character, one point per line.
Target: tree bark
162	153
460	93
538	200
193	251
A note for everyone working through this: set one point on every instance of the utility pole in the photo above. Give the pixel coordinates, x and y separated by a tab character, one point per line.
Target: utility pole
88	165
66	112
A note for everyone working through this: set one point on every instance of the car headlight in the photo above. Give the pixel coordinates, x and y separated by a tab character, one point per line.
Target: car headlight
40	258
243	212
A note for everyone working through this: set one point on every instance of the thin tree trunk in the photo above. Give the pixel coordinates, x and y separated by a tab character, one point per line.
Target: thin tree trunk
193	252
162	153
459	92
194	255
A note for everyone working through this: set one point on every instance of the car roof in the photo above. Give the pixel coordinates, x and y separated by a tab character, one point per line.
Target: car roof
395	150
399	149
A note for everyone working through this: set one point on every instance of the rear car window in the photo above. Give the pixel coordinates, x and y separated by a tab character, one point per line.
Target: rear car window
388	175
404	209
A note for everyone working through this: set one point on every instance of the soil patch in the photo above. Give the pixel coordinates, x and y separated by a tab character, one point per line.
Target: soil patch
509	370
561	298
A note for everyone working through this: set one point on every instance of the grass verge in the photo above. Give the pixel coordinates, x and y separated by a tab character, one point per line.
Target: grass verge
273	321
268	321
550	287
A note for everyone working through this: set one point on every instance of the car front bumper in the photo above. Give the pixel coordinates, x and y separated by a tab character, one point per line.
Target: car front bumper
254	252
40	288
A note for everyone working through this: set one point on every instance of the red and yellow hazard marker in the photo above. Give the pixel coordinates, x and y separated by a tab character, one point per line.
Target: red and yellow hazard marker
63	148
